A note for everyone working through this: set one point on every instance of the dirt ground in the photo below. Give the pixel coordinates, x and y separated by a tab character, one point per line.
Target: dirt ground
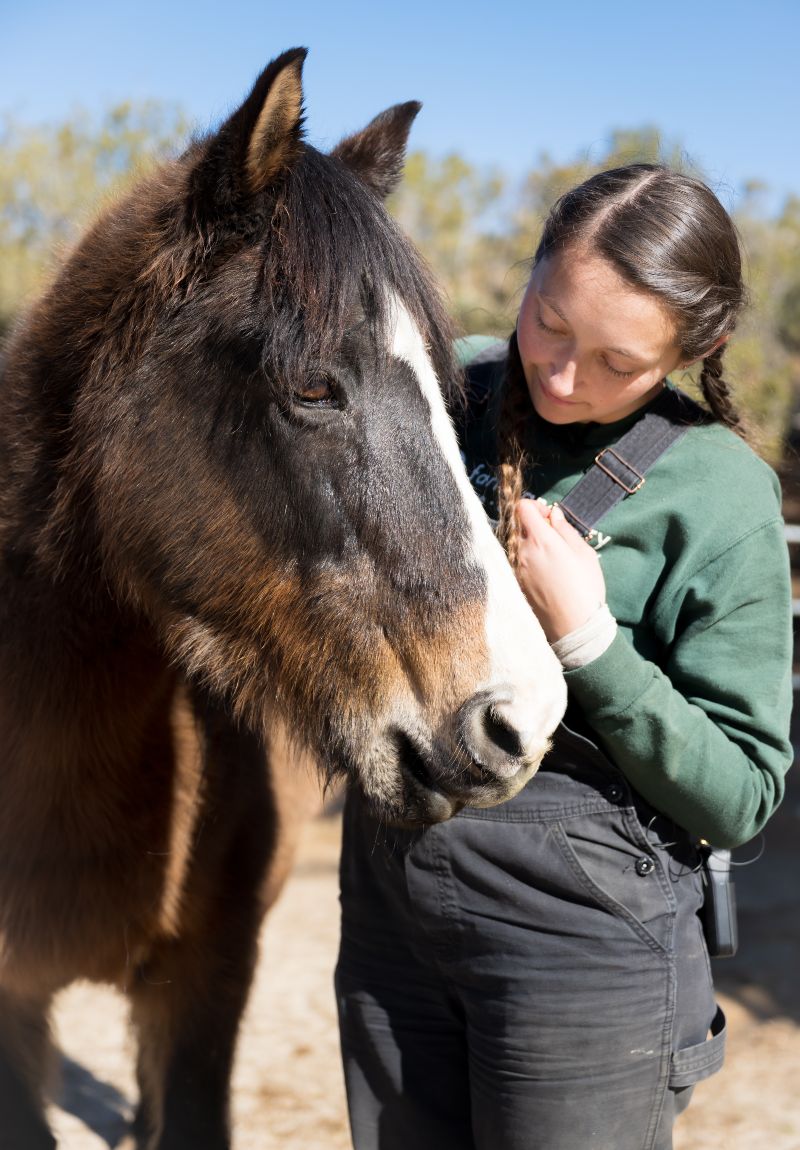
288	1089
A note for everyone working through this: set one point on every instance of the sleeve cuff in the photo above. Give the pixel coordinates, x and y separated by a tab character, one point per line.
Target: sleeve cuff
588	642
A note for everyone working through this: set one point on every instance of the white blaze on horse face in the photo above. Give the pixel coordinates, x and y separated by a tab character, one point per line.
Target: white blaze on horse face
522	663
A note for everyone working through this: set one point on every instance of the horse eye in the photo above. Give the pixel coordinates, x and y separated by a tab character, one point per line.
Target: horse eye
320	392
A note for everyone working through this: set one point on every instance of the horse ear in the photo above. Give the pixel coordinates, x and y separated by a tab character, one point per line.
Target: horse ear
274	139
261	139
377	153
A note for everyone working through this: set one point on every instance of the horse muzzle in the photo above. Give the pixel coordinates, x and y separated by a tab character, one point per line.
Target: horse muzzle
486	760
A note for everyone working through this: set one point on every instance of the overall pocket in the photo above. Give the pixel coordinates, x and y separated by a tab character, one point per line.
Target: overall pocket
692	1064
621	872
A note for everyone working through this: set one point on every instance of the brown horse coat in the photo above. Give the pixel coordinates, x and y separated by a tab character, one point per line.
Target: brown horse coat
234	530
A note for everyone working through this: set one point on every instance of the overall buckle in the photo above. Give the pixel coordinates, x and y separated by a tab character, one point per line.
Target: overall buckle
612	474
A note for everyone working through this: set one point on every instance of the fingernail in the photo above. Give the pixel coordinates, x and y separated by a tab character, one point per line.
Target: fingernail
556	513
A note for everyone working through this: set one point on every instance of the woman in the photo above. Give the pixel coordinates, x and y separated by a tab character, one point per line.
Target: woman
534	976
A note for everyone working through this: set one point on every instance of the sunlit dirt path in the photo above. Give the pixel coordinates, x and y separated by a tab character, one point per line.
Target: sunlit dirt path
288	1087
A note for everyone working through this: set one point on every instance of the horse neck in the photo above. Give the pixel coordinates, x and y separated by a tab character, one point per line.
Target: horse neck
79	673
79	683
74	662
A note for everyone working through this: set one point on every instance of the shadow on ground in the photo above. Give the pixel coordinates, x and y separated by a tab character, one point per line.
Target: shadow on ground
99	1105
763	974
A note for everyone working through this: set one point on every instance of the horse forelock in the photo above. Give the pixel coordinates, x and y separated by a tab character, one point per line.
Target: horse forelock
333	248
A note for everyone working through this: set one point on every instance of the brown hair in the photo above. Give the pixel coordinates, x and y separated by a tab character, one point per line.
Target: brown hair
664	233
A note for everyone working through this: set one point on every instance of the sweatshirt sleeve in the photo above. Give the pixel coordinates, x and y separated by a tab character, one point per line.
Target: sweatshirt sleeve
705	737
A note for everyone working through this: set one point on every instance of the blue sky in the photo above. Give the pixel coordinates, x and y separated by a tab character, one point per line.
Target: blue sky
500	83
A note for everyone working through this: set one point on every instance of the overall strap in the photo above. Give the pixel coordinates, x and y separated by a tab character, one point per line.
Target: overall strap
619	471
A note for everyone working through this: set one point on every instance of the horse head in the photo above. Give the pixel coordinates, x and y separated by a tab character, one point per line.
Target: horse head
261	458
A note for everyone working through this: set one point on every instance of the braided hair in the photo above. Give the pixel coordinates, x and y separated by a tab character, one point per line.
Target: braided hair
511	425
717	393
666	234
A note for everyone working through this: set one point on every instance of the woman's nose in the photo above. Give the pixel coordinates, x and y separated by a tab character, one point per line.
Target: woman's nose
562	377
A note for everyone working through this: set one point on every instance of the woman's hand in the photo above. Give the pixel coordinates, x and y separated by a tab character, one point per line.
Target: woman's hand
558	571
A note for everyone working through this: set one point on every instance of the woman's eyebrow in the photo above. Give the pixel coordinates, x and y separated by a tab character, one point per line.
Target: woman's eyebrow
627	354
552	304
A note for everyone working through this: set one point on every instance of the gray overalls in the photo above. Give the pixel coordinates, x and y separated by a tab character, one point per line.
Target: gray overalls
528	977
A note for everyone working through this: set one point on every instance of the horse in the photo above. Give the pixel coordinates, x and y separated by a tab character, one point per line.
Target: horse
235	531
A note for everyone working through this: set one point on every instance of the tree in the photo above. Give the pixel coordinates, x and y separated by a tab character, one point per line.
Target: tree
53	178
477	229
446	205
789	319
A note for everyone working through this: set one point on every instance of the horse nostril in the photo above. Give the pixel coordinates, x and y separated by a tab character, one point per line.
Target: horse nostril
501	733
490	737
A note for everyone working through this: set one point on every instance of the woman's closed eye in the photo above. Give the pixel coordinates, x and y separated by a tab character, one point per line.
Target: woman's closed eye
546	327
615	370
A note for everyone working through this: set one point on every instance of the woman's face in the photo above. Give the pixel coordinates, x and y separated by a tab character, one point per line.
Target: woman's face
592	347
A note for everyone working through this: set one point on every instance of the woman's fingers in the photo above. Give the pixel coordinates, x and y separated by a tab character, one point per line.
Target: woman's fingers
537	520
533	518
559	573
559	521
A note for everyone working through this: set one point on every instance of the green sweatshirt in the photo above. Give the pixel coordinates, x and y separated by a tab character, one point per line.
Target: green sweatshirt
692	699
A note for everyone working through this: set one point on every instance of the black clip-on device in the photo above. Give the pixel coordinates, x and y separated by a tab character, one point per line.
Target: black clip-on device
719	907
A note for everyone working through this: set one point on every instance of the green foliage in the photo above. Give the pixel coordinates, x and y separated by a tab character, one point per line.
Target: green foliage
53	178
477	229
789	319
446	205
765	373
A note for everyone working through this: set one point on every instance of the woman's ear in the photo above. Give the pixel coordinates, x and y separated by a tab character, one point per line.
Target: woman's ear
698	358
